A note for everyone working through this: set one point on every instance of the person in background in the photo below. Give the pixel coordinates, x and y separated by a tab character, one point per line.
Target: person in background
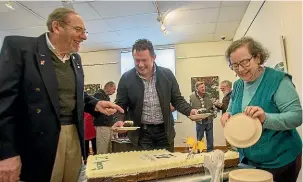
103	122
270	96
89	134
226	89
42	102
147	91
200	100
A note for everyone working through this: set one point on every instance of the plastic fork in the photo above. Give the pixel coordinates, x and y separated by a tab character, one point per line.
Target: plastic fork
214	162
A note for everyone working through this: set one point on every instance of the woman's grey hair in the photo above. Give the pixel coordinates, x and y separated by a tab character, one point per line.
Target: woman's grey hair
59	15
255	48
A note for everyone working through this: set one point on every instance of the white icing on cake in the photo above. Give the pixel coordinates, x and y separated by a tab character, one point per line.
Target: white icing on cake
128	163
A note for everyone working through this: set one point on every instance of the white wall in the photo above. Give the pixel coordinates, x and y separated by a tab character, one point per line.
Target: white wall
277	18
199	60
103	73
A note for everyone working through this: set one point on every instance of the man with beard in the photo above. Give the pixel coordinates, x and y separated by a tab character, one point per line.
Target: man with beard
226	89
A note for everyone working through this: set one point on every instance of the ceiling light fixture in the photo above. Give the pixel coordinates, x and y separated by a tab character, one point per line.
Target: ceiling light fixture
164	29
160	18
9	4
67	4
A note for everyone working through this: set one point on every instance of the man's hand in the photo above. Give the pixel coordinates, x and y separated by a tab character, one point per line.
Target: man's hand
216	102
118	124
10	169
108	108
193	112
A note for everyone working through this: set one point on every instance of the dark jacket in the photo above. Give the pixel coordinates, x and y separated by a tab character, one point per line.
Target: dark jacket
130	95
196	104
225	102
29	105
100	118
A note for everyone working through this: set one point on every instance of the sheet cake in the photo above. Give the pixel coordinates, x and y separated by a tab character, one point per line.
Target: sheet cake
147	165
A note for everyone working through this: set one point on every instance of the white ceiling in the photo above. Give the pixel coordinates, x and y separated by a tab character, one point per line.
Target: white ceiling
118	24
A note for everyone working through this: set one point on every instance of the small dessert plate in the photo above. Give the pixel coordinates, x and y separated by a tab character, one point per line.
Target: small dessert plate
199	116
126	128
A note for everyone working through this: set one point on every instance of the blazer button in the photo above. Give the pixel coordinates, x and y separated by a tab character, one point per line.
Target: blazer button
37	89
38	110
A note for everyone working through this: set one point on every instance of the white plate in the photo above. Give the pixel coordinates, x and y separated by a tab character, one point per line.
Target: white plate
131	122
126	128
199	116
250	175
242	131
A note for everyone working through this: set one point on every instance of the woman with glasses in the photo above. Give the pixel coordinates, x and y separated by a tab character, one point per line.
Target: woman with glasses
269	95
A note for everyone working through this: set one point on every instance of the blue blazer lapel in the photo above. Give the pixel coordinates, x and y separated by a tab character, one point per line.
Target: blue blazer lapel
77	66
46	68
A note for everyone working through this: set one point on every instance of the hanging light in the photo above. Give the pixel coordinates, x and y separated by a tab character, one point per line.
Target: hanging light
9	4
160	18
164	30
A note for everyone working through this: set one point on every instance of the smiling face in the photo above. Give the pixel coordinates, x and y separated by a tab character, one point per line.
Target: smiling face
71	33
248	64
144	62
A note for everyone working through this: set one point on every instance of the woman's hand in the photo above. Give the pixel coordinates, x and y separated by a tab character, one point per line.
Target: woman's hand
255	112
224	118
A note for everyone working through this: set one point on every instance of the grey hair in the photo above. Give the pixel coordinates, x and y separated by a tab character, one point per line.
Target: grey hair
109	84
228	83
198	84
59	15
255	49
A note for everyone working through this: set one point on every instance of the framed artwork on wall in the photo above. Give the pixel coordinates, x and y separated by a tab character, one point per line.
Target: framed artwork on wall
91	89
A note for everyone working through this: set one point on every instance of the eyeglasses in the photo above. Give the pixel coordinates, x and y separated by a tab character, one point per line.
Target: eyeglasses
244	63
78	30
